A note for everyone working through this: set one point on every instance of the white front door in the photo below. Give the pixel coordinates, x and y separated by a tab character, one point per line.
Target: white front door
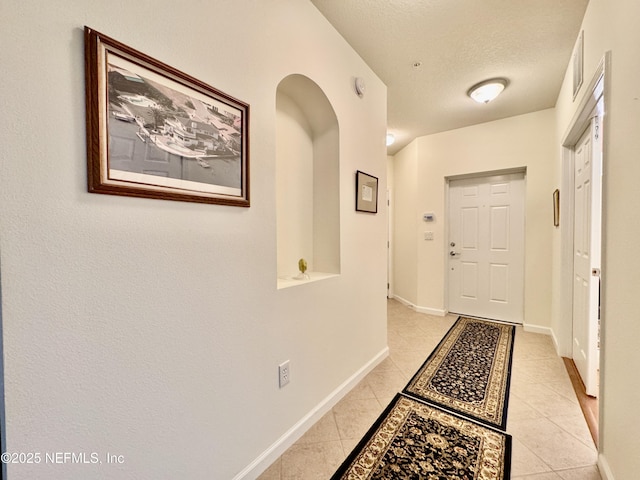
586	258
486	247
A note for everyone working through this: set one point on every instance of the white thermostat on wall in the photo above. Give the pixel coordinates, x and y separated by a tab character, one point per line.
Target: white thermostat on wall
428	217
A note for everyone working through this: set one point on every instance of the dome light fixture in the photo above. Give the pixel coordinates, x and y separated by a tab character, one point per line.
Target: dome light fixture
390	139
488	90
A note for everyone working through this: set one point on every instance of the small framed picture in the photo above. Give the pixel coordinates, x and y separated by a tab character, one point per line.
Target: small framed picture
366	192
556	208
577	61
156	132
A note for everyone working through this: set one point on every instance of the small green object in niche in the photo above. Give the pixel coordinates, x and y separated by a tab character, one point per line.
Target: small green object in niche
302	265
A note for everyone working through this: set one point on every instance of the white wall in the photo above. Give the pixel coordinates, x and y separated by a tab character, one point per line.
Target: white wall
153	329
612	26
522	141
390	220
405	250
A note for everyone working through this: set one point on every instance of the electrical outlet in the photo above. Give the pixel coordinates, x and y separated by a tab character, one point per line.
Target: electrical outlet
285	373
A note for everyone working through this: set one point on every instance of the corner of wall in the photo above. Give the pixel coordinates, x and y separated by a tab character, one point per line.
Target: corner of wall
603	467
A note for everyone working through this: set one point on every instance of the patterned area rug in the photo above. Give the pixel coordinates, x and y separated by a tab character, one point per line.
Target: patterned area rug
413	440
469	371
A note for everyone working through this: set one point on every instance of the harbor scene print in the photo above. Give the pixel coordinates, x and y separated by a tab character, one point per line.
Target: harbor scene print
165	134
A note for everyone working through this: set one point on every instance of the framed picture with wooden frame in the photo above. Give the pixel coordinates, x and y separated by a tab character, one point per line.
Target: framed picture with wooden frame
556	208
366	192
156	132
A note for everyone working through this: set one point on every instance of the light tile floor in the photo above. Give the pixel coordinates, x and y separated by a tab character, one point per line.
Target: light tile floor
551	440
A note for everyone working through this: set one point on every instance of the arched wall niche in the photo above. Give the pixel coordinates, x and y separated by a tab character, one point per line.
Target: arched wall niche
307	181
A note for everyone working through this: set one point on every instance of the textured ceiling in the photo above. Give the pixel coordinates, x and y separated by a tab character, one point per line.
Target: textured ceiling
459	43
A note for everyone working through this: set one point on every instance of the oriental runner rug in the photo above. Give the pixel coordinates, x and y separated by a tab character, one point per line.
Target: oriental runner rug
414	440
469	371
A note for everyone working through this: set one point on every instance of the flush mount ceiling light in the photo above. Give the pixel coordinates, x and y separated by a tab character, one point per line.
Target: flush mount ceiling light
486	91
390	139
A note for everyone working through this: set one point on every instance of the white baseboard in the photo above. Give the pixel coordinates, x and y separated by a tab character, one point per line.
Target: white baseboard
538	329
605	470
429	311
561	352
404	302
441	313
556	346
271	454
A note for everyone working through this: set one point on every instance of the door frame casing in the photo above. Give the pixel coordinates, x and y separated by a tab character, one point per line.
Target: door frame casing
596	90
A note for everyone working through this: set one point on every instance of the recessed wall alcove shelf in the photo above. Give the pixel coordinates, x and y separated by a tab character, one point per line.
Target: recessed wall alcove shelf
307	182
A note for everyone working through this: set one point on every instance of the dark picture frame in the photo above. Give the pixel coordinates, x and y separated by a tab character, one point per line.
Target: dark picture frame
366	192
556	208
156	132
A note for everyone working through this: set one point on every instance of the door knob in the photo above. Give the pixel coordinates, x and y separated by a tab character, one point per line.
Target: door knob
453	254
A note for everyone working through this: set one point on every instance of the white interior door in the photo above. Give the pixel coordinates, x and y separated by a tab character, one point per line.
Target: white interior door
486	247
586	258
